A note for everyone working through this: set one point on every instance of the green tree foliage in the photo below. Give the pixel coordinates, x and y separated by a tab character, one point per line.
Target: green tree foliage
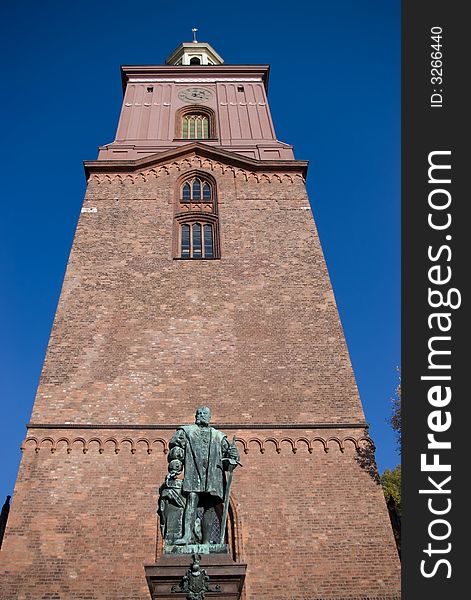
395	419
391	479
391	482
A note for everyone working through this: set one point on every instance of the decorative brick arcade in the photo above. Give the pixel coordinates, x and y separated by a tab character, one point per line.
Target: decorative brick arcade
179	296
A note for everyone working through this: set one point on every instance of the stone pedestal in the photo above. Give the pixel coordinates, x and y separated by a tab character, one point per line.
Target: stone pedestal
226	578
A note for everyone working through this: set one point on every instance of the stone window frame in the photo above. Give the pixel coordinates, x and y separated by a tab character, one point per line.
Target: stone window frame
204	212
195	109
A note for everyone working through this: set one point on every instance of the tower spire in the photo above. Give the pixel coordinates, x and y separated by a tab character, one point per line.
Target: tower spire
194	30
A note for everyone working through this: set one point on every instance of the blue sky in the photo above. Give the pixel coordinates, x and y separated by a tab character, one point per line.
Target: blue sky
61	97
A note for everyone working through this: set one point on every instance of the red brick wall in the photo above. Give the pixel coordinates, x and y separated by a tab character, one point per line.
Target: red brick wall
312	525
142	339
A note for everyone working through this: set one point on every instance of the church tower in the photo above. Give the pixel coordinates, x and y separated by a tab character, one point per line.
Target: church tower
196	277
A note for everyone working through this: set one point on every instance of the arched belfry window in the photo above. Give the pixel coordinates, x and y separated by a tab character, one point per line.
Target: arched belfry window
195	127
196	220
195	123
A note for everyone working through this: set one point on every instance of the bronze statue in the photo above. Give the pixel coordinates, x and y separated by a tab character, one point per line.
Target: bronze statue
192	504
171	503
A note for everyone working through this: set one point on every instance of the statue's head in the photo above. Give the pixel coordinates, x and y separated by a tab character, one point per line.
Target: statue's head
203	416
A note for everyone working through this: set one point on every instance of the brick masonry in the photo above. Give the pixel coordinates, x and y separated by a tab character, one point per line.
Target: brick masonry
139	336
141	339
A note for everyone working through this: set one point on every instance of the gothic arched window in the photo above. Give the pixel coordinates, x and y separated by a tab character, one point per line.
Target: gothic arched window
197	122
196	191
197	239
195	127
196	220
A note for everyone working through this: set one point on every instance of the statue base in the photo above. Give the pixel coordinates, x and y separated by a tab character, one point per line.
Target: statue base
226	578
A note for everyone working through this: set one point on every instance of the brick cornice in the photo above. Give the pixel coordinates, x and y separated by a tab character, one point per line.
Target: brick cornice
202	151
274	436
133	442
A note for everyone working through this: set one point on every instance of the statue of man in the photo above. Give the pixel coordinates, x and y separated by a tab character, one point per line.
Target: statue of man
207	455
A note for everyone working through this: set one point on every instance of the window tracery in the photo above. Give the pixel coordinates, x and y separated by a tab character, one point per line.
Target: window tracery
195	127
197	240
196	122
196	191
